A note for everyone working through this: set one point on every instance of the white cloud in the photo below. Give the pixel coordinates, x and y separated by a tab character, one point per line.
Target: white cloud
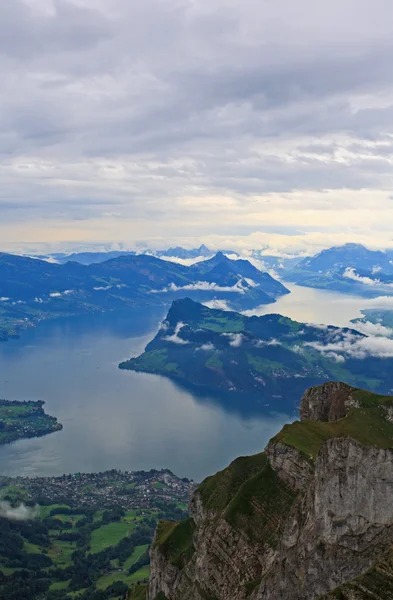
187	262
60	294
353	346
18	513
203	286
337	357
175	338
350	273
4	299
373	329
235	339
218	304
261	343
207	347
164	326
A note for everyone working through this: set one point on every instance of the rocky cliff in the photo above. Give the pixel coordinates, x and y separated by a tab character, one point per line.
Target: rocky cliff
310	517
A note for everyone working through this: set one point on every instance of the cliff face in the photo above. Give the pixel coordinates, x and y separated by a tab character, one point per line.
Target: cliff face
312	513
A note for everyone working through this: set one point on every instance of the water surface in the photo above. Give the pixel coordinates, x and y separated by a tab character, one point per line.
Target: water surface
113	418
120	419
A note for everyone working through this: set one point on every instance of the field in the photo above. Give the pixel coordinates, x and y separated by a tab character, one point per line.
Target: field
103	537
110	534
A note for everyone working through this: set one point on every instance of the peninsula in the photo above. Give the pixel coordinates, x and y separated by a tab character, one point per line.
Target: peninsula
259	363
24	420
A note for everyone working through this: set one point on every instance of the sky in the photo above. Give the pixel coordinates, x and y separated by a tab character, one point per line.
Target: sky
240	124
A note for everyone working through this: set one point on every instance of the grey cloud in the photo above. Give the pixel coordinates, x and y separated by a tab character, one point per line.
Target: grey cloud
27	31
188	98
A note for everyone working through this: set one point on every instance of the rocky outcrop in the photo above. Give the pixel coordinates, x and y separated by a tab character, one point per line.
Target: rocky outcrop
289	464
342	523
328	402
308	516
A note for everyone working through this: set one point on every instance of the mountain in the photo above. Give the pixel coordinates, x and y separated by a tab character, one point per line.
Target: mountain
351	268
275	263
33	289
311	517
89	258
260	361
179	252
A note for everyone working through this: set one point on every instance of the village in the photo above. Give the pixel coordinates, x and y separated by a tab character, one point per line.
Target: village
126	489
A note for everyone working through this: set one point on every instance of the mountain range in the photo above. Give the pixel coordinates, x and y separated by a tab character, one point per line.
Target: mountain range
351	268
91	257
33	289
261	362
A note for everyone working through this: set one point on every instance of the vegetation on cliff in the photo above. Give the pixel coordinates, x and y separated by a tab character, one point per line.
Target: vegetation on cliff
375	584
367	424
281	524
175	541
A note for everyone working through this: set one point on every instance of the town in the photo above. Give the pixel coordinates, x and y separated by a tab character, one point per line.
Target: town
125	489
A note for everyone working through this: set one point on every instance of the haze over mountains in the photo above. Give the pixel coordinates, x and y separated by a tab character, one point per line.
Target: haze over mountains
65	284
349	269
33	289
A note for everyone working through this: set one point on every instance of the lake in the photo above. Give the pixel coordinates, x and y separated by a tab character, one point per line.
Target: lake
126	420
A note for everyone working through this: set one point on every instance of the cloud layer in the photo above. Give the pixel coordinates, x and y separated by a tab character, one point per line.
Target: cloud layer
242	123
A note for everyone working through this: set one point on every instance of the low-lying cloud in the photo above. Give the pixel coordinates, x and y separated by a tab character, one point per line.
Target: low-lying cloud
218	304
206	286
209	347
373	329
350	273
175	338
235	339
19	513
354	346
60	294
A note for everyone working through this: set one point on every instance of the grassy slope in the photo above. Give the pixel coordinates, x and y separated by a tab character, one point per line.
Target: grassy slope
175	540
138	592
110	534
366	424
103	582
249	496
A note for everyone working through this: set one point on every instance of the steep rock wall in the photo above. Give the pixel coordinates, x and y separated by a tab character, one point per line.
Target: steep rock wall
311	514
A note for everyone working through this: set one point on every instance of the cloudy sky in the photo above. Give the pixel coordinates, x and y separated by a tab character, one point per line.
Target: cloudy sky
238	123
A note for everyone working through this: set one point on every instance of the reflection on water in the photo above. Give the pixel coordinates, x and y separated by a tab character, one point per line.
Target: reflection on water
120	419
112	418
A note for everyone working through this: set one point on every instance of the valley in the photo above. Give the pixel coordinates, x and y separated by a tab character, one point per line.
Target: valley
88	531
